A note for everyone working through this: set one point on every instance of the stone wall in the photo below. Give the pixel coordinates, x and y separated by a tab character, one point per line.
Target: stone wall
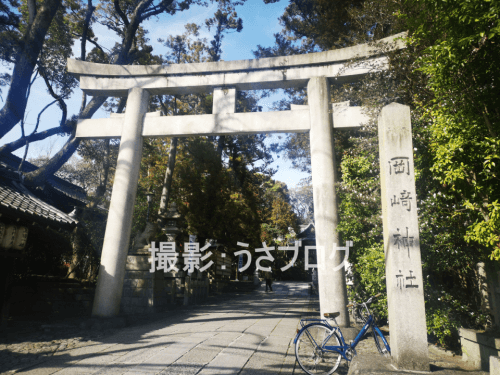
477	347
143	291
58	297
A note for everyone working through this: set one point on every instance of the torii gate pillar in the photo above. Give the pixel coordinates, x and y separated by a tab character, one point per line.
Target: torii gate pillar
116	239
332	284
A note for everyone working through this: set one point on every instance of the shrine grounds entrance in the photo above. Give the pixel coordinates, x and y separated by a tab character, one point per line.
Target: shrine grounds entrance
319	118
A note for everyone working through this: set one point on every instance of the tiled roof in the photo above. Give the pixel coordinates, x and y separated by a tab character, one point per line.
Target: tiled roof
17	199
11	161
307	233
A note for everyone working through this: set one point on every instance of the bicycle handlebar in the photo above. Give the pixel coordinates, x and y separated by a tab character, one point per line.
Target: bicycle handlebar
369	300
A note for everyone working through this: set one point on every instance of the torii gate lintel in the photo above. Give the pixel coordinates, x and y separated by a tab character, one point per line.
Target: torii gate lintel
224	123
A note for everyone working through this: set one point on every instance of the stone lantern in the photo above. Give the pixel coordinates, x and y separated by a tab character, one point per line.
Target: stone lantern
171	221
145	288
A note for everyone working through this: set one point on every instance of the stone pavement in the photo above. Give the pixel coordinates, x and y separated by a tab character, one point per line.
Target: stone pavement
248	334
244	334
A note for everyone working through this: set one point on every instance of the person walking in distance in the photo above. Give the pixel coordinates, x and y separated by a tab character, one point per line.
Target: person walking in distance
269	280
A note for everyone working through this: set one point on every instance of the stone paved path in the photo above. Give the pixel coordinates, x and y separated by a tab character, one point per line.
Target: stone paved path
247	334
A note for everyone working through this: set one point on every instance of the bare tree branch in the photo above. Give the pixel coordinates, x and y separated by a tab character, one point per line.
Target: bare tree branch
26	59
118	10
101	189
88	16
39	176
31	11
33	132
33	137
59	99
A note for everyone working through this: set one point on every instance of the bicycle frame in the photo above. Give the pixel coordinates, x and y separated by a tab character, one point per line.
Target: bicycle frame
342	350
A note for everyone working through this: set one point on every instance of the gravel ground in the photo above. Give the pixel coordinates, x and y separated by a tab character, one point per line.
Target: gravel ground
30	341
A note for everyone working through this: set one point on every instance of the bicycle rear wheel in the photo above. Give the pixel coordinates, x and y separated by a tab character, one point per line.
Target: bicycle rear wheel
310	352
380	341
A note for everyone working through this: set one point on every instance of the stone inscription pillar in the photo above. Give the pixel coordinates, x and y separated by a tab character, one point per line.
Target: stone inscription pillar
403	267
332	284
117	235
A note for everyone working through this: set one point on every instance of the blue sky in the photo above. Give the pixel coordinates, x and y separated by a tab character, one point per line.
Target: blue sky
260	22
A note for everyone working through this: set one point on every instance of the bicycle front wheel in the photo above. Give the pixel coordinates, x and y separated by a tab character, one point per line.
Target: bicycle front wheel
380	341
310	352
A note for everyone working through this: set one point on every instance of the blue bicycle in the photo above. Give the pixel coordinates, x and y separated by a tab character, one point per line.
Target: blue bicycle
320	347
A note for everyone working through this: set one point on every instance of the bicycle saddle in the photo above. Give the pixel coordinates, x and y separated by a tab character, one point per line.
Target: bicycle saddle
332	315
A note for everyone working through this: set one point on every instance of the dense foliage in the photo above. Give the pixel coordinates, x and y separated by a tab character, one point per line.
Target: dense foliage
447	75
463	114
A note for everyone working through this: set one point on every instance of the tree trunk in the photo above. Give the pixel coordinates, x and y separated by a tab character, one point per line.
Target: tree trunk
17	144
101	189
167	183
77	242
39	176
32	43
220	146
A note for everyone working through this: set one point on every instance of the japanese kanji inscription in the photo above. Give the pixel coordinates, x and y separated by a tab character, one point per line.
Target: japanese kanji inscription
401	239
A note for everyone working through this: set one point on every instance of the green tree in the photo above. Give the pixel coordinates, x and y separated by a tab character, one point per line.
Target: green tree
448	78
301	198
279	227
458	60
279	220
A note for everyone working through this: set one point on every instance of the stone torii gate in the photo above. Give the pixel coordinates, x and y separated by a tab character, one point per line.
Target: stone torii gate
319	118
